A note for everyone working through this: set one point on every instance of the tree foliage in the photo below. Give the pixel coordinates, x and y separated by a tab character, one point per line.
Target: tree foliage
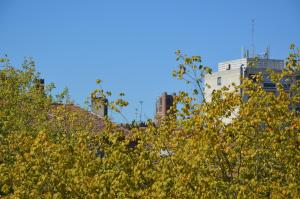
56	152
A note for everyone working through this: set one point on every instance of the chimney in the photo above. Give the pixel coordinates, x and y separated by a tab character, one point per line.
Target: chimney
163	104
99	106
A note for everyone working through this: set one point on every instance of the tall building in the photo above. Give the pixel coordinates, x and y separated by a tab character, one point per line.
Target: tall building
233	71
163	104
99	106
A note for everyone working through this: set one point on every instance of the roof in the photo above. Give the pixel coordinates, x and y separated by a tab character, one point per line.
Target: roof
84	118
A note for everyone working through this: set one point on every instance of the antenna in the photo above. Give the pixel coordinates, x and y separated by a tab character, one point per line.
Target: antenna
136	114
243	52
252	37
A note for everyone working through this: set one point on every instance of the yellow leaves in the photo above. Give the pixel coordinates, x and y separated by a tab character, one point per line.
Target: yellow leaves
98	81
5	188
178	52
254	155
57	196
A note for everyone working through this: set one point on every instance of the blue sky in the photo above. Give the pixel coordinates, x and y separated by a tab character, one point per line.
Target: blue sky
130	44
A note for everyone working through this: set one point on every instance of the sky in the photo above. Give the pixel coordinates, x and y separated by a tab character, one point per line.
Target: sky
130	44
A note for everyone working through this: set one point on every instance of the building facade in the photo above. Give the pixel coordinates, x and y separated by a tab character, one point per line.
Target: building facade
233	71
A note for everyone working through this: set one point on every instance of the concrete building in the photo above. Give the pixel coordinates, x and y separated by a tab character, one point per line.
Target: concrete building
99	106
163	104
233	71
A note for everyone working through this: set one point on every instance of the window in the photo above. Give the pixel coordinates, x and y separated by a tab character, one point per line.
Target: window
228	67
297	110
219	81
269	85
286	86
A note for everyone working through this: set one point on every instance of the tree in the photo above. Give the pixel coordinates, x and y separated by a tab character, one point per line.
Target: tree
56	152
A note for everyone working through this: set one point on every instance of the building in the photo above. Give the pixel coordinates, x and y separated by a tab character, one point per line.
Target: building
89	120
163	104
233	71
81	117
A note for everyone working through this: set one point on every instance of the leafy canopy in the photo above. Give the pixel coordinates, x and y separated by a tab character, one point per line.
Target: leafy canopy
56	152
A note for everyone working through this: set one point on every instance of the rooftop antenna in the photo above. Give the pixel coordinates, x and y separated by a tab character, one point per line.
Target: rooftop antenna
146	116
136	114
252	37
268	52
243	52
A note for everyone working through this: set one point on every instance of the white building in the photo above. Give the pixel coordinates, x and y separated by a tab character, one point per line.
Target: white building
234	70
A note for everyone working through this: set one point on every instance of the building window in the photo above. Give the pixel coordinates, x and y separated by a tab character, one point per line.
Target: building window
269	85
228	67
297	110
219	81
286	86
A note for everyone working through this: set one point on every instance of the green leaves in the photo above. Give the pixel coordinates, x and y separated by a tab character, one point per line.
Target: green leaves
292	46
98	81
195	92
208	70
3	60
178	52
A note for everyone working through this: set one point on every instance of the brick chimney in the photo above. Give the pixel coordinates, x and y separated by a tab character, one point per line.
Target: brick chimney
163	104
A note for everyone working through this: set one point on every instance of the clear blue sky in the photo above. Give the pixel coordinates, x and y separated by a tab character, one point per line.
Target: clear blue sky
130	44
